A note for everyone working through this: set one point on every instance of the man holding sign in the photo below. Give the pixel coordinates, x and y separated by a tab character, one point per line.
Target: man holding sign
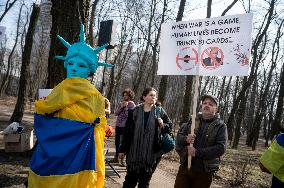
209	144
229	37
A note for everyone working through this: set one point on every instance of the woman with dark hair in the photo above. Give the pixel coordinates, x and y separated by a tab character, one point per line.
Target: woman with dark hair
141	140
122	113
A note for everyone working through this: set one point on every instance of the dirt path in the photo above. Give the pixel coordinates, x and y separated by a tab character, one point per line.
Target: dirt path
161	178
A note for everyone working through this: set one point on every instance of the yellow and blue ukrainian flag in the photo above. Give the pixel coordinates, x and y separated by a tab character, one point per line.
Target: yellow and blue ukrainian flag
273	157
71	142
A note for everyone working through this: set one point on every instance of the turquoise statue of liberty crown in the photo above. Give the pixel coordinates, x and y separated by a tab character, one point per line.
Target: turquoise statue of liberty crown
84	51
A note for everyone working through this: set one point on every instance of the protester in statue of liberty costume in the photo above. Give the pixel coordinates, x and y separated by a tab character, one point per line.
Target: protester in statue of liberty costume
70	125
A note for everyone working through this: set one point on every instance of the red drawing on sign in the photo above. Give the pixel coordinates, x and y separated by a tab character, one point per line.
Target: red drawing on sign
187	58
241	57
210	59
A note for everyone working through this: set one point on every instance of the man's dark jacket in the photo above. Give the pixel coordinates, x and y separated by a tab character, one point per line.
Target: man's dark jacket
212	147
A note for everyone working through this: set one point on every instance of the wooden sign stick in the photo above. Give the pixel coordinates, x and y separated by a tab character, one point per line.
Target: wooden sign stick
195	98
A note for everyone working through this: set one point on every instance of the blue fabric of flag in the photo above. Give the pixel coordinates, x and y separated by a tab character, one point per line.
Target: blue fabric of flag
280	139
64	146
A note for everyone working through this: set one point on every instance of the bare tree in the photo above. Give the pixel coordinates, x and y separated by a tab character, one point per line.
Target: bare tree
229	7
146	50
156	43
21	101
66	19
276	125
164	80
261	110
209	4
8	6
92	21
122	59
40	50
4	82
257	57
3	50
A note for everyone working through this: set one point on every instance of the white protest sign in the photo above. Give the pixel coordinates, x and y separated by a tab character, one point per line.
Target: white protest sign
215	46
2	32
43	93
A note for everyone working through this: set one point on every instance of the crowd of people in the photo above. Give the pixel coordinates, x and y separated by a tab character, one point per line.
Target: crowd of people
137	136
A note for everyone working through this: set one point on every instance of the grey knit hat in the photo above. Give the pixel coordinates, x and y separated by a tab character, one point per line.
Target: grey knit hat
211	97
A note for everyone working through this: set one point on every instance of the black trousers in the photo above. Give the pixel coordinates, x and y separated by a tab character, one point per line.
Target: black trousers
119	131
190	179
142	178
276	183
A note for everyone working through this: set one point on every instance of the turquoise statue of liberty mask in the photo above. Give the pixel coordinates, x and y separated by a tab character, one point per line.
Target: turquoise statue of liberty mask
81	59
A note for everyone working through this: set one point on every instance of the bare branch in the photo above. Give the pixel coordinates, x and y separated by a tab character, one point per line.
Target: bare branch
229	7
7	8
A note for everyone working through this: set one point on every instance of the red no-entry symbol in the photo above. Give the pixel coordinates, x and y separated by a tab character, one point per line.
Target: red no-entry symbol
212	58
187	58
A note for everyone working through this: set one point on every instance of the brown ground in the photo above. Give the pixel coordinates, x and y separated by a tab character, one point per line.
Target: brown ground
239	168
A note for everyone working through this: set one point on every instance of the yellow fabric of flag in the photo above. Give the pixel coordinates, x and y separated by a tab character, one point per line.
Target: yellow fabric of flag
75	99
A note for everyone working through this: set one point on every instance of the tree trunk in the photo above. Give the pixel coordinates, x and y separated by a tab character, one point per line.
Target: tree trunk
92	21
221	91
209	4
239	122
276	125
229	7
66	23
146	51
251	111
279	110
261	112
187	100
154	48
232	124
257	57
84	6
270	119
223	107
4	82
21	101
164	80
207	80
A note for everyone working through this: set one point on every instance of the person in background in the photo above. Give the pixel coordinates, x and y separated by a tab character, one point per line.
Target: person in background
122	113
109	130
272	161
209	144
107	107
141	140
